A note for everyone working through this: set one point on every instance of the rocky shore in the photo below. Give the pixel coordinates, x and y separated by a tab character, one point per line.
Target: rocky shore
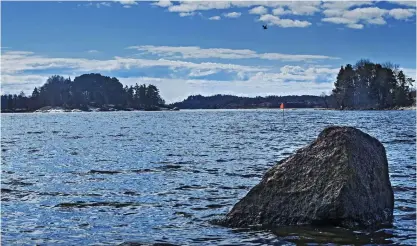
50	109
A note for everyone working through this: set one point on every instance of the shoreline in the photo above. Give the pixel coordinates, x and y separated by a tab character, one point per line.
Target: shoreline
62	110
50	109
372	109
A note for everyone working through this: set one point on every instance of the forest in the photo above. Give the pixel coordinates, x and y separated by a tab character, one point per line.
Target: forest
368	85
85	91
236	102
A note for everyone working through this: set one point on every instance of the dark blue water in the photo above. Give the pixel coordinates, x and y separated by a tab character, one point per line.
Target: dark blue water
108	178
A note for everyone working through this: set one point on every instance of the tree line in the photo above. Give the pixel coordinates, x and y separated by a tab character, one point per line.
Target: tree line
235	102
87	90
364	85
369	85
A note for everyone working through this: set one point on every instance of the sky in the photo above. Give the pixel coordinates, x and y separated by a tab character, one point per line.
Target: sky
203	47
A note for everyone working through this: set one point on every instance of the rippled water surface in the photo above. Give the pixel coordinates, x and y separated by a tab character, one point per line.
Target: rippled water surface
109	178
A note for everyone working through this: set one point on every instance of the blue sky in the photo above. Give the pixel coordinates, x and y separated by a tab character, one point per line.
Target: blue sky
197	47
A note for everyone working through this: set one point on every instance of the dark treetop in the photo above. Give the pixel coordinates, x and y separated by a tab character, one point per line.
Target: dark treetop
235	102
87	90
370	85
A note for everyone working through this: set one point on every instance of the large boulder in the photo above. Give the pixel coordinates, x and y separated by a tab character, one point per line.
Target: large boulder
341	179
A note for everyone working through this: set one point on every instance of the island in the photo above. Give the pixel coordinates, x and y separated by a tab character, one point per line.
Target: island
88	92
368	85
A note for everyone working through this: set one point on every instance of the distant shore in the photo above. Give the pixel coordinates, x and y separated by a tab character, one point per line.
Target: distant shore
50	109
371	109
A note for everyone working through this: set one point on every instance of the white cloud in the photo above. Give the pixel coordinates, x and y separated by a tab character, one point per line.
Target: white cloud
401	14
289	57
15	83
249	4
195	52
274	20
201	73
298	7
137	63
131	2
332	12
377	21
232	15
105	4
280	11
338	20
405	3
353	14
260	10
191	6
17	80
97	4
304	10
345	5
355	26
187	14
16	62
214	18
357	17
163	3
366	14
187	52
93	51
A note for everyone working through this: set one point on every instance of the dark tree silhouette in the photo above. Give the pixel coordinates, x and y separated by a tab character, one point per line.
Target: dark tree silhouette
235	102
87	90
369	85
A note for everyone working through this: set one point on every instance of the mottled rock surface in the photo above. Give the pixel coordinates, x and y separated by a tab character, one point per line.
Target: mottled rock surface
341	179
